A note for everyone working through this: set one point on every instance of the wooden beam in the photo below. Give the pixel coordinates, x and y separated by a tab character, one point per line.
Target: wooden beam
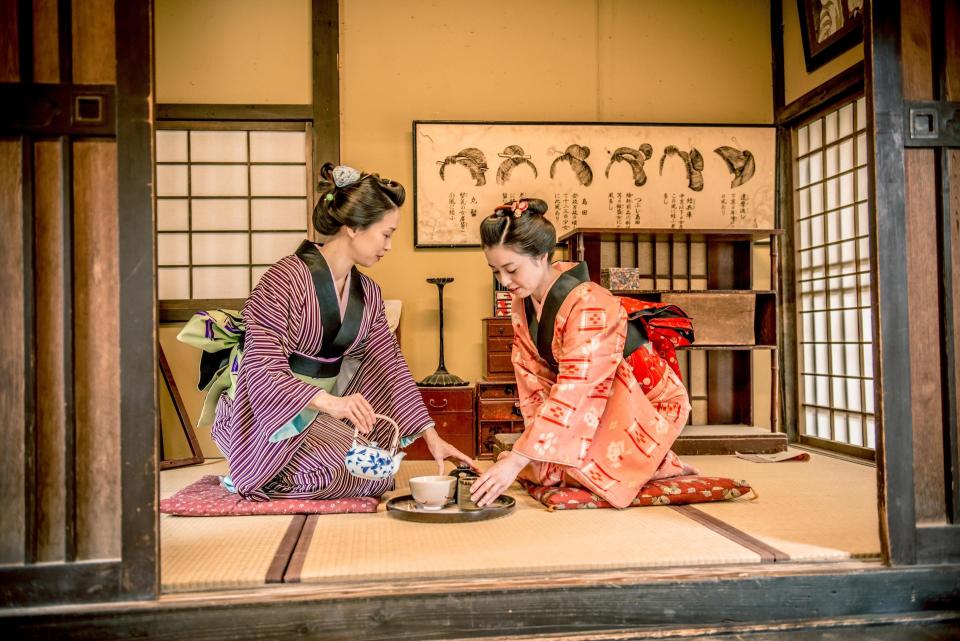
596	602
326	86
173	111
888	266
139	414
848	82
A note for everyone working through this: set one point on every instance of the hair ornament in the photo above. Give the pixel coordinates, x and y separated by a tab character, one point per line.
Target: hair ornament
518	207
328	197
344	175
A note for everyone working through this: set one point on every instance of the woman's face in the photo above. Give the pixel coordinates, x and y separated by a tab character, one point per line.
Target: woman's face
520	273
370	244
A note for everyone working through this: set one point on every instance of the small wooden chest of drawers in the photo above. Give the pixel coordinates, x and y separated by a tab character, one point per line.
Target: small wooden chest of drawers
497	412
451	408
497	342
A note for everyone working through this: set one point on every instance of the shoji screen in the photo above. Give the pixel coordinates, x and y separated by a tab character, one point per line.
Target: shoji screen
229	204
833	277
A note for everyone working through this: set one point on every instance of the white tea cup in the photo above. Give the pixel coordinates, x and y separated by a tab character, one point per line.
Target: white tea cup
432	492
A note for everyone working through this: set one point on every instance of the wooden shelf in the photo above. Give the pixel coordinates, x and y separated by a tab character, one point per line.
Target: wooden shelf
718	348
694	235
655	292
729	439
732	320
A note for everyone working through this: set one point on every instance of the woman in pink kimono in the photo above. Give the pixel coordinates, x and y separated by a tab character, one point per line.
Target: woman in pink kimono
601	406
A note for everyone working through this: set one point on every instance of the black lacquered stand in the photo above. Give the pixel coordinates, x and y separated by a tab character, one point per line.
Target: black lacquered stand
441	377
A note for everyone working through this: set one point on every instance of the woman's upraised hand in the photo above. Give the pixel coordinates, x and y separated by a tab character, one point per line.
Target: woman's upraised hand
354	408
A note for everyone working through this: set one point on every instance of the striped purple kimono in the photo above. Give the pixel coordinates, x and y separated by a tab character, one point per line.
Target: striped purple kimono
284	319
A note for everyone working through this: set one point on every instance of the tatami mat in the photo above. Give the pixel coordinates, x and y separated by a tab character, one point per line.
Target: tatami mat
820	510
372	546
824	508
216	552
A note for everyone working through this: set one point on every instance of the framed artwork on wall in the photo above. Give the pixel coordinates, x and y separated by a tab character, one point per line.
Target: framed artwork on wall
596	175
828	28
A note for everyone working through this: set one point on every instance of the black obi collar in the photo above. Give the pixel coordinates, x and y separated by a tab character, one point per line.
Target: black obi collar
541	332
338	335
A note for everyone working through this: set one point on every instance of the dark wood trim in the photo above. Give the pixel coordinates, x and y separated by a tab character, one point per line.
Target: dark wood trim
174	111
847	83
788	354
139	419
326	86
27	585
846	449
29	354
938	543
25	39
65	39
51	109
776	47
69	388
181	310
232	125
948	333
947	282
542	605
183	417
888	264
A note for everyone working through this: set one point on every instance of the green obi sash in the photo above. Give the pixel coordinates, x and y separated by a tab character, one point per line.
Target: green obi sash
219	333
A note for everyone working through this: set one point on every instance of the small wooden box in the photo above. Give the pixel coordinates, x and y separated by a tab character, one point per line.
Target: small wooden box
503	442
497	343
620	278
497	412
452	409
719	318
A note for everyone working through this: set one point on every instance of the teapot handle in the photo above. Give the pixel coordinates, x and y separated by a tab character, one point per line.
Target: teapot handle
395	441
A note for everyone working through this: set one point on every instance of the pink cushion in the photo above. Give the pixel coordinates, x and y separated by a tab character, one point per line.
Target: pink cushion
207	497
675	490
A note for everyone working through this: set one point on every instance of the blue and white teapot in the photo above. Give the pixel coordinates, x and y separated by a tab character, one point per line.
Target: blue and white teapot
366	460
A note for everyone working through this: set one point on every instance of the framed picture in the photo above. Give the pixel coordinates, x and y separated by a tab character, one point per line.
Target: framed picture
592	175
828	28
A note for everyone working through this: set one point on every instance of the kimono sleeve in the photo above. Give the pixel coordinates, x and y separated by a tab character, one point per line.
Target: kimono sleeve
266	388
588	346
392	390
531	388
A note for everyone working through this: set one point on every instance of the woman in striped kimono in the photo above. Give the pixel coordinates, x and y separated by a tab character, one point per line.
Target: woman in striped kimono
599	386
316	352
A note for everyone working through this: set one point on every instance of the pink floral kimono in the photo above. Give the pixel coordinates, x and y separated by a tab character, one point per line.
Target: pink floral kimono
593	416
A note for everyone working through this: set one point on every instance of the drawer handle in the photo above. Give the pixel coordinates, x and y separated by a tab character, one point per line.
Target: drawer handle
516	410
508	390
437	406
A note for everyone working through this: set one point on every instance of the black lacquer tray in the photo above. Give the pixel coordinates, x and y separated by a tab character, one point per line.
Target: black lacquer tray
405	508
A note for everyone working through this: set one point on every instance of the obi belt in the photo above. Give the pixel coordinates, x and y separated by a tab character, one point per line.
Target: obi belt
220	334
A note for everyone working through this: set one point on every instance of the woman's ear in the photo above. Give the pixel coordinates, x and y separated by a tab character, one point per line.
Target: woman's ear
350	231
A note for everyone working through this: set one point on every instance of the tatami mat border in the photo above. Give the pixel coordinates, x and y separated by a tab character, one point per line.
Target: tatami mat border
768	553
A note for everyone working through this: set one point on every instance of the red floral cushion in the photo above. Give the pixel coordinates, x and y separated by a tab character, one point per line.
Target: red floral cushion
670	491
207	497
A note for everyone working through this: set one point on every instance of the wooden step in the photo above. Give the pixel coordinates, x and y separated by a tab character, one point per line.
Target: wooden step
729	439
702	439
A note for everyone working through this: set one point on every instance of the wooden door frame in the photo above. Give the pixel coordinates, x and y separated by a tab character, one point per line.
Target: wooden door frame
582	602
135	574
888	111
